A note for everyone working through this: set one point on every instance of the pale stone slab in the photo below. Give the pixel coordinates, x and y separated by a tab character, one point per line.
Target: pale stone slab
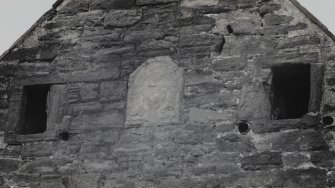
155	92
197	3
255	103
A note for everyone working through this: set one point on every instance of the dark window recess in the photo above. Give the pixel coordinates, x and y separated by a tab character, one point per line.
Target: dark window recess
290	91
34	109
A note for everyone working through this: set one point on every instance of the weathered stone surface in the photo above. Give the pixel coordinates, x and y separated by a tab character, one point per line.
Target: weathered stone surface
73	7
268	8
295	159
282	58
298	41
159	82
122	18
236	46
83	180
251	95
125	121
113	90
300	141
235	143
268	126
271	19
228	63
154	2
38	149
324	159
262	161
88	91
312	177
98	120
9	166
205	116
198	3
111	4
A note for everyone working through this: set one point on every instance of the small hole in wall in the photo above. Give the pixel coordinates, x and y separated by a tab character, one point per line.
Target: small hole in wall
230	29
65	136
243	127
327	120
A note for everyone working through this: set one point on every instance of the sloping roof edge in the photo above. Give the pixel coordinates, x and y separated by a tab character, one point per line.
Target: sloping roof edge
59	2
38	22
316	21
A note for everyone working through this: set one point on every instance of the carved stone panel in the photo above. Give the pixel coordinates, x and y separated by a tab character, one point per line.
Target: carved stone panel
155	92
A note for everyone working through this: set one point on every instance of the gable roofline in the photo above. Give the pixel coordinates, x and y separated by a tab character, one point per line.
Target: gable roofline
46	16
51	12
313	19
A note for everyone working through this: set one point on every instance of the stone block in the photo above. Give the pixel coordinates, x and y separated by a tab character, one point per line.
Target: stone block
247	45
88	91
113	90
139	36
295	159
263	161
254	103
50	182
235	143
155	2
269	8
283	29
291	57
122	18
211	41
272	19
202	89
97	120
83	180
298	41
305	140
246	27
198	3
38	149
73	7
206	116
111	4
156	45
131	156
193	138
87	76
9	166
268	126
193	21
155	92
228	63
22	54
311	177
215	101
324	159
86	108
245	4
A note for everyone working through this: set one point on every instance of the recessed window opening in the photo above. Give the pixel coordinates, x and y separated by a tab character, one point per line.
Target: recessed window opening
34	109
290	91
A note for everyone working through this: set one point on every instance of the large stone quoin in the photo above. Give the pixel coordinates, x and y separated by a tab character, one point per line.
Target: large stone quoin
169	93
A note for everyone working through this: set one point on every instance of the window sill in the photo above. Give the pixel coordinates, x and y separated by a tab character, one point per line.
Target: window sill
12	138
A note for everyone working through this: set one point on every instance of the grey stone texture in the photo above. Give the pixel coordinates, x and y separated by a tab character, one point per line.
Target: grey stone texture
149	92
155	92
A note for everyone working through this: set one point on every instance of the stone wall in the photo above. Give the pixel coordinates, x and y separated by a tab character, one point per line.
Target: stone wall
150	93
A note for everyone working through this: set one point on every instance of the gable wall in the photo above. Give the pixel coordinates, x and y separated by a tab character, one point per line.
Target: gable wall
90	49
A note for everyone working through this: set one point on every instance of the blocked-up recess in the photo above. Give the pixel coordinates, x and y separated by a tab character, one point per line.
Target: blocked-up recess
155	92
34	109
290	91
